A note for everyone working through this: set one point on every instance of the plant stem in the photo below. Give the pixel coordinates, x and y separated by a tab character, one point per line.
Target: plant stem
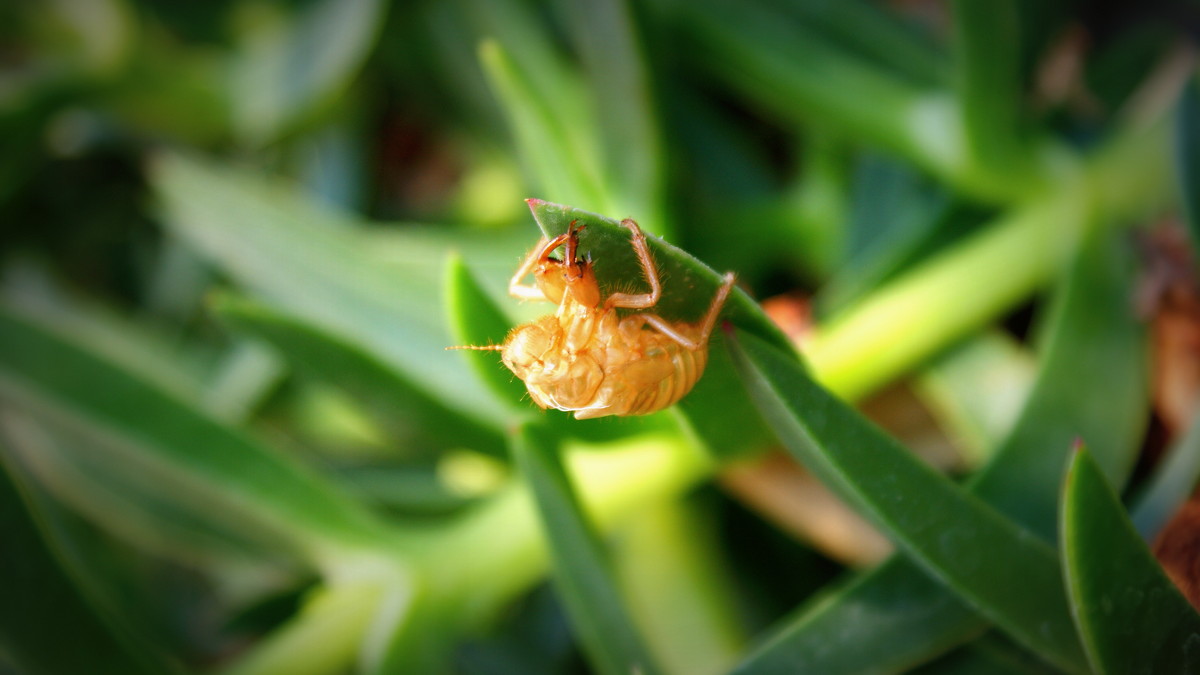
913	317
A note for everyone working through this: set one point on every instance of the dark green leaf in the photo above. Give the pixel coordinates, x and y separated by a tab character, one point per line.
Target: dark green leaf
1090	338
953	535
43	605
1131	617
582	571
1187	156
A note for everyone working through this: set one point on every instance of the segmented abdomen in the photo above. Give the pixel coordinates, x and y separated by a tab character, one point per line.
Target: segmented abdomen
686	366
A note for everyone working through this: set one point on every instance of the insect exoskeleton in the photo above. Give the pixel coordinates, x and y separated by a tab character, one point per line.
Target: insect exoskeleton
586	359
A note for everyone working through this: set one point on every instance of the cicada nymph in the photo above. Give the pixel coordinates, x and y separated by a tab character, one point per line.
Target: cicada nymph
587	360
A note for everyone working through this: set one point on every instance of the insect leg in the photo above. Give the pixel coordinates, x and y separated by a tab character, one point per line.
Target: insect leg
539	253
706	325
718	301
649	271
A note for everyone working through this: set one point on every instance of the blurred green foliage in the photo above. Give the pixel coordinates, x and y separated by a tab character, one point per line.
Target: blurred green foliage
238	236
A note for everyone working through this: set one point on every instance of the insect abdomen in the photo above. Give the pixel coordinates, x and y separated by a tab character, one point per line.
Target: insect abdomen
686	367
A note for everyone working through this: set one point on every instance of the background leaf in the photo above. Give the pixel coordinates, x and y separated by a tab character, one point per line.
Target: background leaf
945	530
581	568
1130	616
42	601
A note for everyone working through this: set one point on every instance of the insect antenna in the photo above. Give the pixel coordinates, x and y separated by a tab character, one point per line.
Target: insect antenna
478	348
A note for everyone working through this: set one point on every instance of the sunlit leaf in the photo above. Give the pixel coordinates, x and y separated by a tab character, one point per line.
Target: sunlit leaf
582	571
285	70
320	267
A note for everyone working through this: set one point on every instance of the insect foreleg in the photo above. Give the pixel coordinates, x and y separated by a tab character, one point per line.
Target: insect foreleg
539	253
649	271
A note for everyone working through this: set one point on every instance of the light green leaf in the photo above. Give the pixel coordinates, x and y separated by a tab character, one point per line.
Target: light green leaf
476	320
631	146
558	162
425	425
582	571
287	69
1131	617
321	267
192	463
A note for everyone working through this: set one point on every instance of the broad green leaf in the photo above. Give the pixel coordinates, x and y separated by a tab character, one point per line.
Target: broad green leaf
424	427
986	48
1090	337
895	217
43	603
1001	569
877	33
1130	616
977	389
582	571
558	162
1187	156
321	267
728	424
631	146
672	565
988	655
476	320
1173	480
787	66
195	464
285	70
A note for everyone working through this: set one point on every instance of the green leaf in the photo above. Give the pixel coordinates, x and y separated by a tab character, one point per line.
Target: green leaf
559	162
582	571
285	70
631	146
999	568
876	33
1090	337
476	320
727	424
672	565
147	436
426	425
987	51
1131	617
319	266
1187	156
977	389
43	602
